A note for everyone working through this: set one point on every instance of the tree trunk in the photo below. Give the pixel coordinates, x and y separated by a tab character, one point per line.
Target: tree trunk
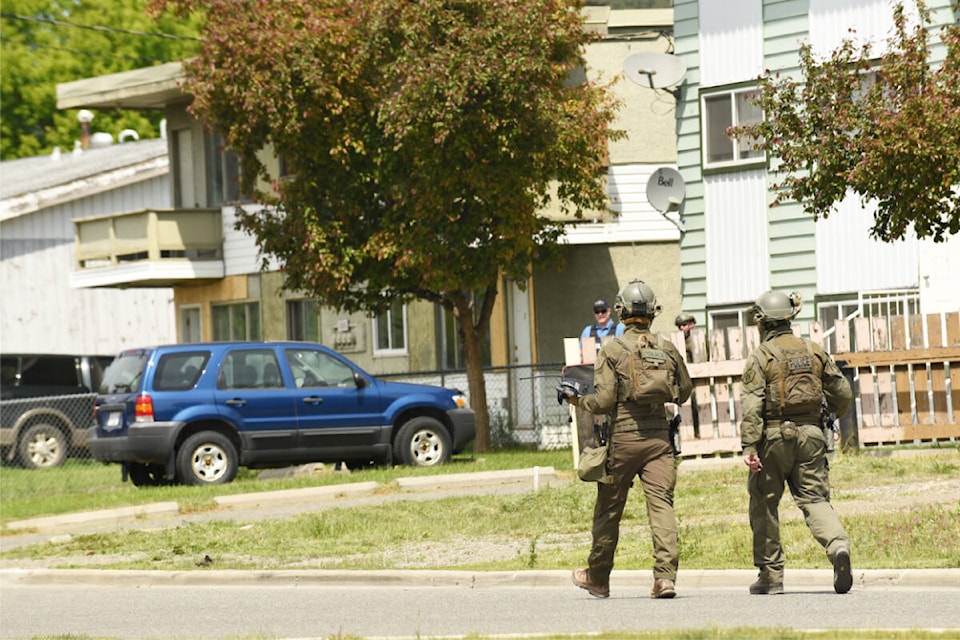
472	331
478	388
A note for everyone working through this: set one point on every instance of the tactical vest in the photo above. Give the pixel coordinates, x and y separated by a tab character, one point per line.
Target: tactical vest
652	378
794	386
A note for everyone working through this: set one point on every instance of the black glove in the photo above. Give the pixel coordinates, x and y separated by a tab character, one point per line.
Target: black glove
566	389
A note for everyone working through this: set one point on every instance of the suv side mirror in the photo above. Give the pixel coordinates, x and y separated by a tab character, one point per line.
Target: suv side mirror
360	381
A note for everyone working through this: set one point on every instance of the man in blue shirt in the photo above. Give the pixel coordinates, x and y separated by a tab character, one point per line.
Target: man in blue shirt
603	324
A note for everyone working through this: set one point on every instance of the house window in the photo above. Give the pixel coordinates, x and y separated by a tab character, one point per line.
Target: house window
722	110
303	320
223	171
390	330
451	354
236	321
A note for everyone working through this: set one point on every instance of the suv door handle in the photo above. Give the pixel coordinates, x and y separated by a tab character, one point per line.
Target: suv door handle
236	402
313	400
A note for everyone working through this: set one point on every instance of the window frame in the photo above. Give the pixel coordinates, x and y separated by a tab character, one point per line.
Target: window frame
303	320
387	318
708	131
252	327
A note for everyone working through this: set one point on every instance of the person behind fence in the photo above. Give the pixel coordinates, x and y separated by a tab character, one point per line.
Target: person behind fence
784	383
634	375
686	323
603	325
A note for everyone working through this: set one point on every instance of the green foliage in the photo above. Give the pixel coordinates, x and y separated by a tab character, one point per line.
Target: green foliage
889	136
46	42
424	137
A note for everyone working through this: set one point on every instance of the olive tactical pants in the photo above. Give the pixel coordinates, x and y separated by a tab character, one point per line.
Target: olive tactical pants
647	455
801	463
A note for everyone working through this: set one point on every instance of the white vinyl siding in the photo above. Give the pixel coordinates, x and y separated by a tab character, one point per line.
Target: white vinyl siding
848	260
51	317
831	22
736	231
731	41
637	221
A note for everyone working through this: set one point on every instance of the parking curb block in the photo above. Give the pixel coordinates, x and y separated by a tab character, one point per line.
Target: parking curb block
329	492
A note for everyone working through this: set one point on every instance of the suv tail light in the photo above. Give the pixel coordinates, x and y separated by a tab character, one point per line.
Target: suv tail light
144	408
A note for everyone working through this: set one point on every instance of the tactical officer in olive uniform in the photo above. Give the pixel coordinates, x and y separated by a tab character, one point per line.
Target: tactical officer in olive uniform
784	382
686	323
639	444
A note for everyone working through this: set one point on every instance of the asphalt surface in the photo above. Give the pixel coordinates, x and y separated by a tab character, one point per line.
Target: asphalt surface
284	504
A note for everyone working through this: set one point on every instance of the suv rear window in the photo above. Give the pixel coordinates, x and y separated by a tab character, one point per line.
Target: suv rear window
180	371
124	373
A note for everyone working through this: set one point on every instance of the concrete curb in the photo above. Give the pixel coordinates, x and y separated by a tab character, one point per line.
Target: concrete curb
88	517
536	476
706	579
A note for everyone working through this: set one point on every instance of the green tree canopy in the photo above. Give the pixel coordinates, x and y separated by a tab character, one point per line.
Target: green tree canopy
424	137
886	130
46	42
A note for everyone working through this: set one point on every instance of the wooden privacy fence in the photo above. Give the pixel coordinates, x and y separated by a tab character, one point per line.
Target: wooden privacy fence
904	371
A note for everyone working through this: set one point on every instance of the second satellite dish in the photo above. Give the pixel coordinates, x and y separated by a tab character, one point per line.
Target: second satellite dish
665	189
654	70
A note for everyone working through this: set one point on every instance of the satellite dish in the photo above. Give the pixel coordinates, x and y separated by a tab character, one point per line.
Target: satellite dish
654	70
665	189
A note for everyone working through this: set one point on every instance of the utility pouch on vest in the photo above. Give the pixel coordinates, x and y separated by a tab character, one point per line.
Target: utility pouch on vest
788	430
592	465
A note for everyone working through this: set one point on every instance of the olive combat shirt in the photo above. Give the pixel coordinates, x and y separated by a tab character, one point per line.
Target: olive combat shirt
759	368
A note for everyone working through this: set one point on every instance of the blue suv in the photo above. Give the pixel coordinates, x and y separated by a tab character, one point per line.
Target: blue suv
195	413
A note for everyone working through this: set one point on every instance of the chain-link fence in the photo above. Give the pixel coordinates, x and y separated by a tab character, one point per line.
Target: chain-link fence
42	432
521	400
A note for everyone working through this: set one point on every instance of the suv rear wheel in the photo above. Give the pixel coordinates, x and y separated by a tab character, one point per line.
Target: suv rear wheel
423	442
42	446
146	475
207	458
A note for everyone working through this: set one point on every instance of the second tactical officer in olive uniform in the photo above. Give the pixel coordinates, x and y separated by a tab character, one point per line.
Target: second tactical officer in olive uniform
634	375
784	382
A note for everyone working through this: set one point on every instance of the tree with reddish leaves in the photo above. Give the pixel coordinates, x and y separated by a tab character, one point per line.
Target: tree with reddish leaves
424	137
884	129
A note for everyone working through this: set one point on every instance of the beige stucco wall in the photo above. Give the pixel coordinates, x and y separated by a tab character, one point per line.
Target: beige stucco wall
564	299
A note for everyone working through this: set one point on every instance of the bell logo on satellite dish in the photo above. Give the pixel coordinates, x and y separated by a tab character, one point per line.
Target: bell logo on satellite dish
654	70
665	189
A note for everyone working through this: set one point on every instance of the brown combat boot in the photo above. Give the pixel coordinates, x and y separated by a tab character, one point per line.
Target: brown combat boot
581	578
663	588
842	573
763	587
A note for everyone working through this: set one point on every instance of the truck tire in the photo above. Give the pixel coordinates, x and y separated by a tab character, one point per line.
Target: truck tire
422	442
207	458
42	446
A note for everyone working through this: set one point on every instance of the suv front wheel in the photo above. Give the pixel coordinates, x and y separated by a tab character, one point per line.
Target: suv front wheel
422	442
207	458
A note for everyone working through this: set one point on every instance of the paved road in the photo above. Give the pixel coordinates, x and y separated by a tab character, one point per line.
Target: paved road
423	604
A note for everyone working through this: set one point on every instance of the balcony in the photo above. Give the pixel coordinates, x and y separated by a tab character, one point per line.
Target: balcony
148	248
